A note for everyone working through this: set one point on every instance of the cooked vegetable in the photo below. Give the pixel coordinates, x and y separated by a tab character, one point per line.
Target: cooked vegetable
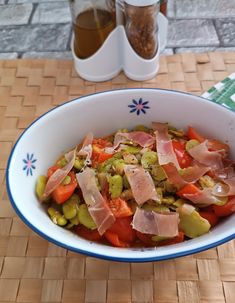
56	217
85	217
193	225
70	207
64	191
148	158
142	187
40	186
115	186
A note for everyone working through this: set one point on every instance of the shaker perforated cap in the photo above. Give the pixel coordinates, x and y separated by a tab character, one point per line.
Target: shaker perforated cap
142	2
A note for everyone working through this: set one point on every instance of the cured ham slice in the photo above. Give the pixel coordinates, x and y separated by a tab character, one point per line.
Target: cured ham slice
164	145
141	183
203	197
97	206
141	138
86	149
190	174
149	222
58	176
227	188
200	153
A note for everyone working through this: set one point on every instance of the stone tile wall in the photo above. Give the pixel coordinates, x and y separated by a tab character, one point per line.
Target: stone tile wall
42	29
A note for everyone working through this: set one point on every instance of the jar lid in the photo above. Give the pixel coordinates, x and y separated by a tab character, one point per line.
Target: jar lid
142	2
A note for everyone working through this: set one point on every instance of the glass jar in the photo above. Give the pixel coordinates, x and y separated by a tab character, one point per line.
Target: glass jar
92	21
163	7
141	26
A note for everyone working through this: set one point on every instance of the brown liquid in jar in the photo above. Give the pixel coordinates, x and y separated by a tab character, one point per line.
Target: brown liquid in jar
91	28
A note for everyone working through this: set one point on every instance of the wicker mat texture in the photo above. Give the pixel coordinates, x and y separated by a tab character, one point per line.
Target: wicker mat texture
33	270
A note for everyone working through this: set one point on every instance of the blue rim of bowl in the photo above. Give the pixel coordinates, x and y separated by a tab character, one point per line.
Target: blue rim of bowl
97	255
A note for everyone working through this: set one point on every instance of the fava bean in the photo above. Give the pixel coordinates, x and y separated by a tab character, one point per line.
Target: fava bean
142	128
149	158
85	217
78	163
62	162
57	217
40	186
191	143
70	207
130	158
115	186
156	208
168	200
206	181
118	166
158	173
66	180
131	149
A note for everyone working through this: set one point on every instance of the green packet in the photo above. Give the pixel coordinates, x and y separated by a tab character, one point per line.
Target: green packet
223	92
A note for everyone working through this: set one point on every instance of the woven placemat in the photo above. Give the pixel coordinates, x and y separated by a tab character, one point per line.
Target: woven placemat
33	270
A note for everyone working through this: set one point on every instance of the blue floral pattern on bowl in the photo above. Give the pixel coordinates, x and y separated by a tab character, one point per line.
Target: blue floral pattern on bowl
29	164
138	106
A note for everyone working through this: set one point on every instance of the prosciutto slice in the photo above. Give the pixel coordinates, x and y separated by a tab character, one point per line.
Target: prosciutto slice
227	188
58	176
141	138
203	197
141	183
86	149
191	174
97	206
200	153
164	145
149	222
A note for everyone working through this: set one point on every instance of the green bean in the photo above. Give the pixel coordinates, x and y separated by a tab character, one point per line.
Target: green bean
115	186
66	180
85	217
149	158
40	186
191	143
57	217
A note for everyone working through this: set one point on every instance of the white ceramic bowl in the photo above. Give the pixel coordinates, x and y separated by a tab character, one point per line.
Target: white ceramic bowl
63	127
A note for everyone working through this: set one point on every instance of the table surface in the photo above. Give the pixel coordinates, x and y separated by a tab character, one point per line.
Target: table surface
33	270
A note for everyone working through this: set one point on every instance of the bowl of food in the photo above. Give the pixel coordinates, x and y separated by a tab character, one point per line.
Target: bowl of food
131	175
